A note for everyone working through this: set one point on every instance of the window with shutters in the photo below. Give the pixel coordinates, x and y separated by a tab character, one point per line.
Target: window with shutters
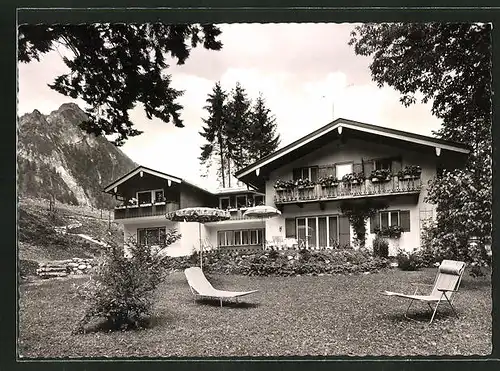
310	172
386	219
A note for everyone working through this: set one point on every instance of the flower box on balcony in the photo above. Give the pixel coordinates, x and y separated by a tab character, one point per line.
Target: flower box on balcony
353	178
146	205
305	187
380	176
160	203
328	181
410	172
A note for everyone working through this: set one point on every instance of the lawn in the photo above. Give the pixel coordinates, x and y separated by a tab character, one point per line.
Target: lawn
307	315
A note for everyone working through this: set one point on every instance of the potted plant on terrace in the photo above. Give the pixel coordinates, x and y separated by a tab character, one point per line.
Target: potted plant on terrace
410	172
382	175
328	181
354	178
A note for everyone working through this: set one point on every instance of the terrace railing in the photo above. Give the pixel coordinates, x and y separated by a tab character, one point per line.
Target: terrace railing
345	190
146	210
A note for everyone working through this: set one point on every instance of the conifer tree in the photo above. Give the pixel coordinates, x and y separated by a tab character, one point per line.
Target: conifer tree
263	139
215	133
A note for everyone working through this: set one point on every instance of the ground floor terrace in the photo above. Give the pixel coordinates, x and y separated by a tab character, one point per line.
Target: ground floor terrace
308	225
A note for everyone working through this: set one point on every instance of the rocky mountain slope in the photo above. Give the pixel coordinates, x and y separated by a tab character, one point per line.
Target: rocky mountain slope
57	159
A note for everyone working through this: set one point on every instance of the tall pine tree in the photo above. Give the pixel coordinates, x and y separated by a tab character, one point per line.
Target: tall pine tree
238	121
215	133
263	138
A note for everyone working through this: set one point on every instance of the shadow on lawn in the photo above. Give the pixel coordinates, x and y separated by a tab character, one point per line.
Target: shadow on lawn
420	315
226	304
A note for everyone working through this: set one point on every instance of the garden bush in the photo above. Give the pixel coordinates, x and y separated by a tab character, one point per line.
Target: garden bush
122	287
285	263
408	261
380	247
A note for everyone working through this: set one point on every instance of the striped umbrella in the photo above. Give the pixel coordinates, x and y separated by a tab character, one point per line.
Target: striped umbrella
199	215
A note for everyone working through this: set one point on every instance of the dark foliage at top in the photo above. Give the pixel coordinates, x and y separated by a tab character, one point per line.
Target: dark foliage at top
115	66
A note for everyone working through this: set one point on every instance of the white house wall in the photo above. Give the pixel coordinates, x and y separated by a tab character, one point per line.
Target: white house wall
188	242
355	150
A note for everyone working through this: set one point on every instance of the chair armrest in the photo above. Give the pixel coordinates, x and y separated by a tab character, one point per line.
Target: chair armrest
446	290
421	284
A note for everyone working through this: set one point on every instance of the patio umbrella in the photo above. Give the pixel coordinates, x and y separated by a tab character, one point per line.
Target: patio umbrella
199	215
262	212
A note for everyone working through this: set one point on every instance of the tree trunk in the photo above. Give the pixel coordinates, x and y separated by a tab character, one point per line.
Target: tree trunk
221	152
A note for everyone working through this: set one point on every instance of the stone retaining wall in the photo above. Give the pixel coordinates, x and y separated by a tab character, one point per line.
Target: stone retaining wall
63	268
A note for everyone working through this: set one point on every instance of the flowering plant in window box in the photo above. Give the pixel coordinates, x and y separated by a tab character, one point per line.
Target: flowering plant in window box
354	178
132	202
410	172
160	200
382	175
393	231
329	181
304	183
281	185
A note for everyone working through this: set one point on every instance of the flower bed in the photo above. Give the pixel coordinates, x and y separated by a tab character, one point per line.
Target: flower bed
283	263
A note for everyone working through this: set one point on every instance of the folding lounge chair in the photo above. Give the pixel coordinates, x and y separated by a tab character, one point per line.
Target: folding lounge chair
446	283
200	286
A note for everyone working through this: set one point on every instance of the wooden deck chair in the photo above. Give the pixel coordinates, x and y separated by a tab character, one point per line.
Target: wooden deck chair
446	283
200	286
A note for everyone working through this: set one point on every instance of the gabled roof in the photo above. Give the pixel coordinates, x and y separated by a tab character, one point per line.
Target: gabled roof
332	131
153	172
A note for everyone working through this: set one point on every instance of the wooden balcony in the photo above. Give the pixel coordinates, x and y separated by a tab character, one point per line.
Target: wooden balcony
344	190
147	210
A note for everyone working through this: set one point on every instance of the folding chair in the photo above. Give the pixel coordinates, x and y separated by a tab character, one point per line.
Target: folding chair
447	282
200	286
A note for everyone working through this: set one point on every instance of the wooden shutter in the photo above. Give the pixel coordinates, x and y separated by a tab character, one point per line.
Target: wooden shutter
357	168
297	173
367	168
290	228
374	222
404	220
396	165
314	174
344	231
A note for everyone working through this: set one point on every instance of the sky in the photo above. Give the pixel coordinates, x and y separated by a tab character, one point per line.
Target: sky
307	73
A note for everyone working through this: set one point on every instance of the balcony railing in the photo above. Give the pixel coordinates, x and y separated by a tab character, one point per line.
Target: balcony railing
135	211
348	190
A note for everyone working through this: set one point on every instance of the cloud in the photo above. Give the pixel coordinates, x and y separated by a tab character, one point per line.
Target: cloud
307	73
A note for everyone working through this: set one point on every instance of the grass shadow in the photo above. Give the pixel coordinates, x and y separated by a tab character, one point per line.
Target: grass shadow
226	304
421	316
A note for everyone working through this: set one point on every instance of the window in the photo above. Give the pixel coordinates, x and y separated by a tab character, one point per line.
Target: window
144	197
383	164
224	203
389	219
241	201
343	169
258	200
317	231
147	197
151	236
159	197
310	172
240	237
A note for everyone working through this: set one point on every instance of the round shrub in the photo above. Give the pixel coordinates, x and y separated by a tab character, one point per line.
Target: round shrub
380	247
408	261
